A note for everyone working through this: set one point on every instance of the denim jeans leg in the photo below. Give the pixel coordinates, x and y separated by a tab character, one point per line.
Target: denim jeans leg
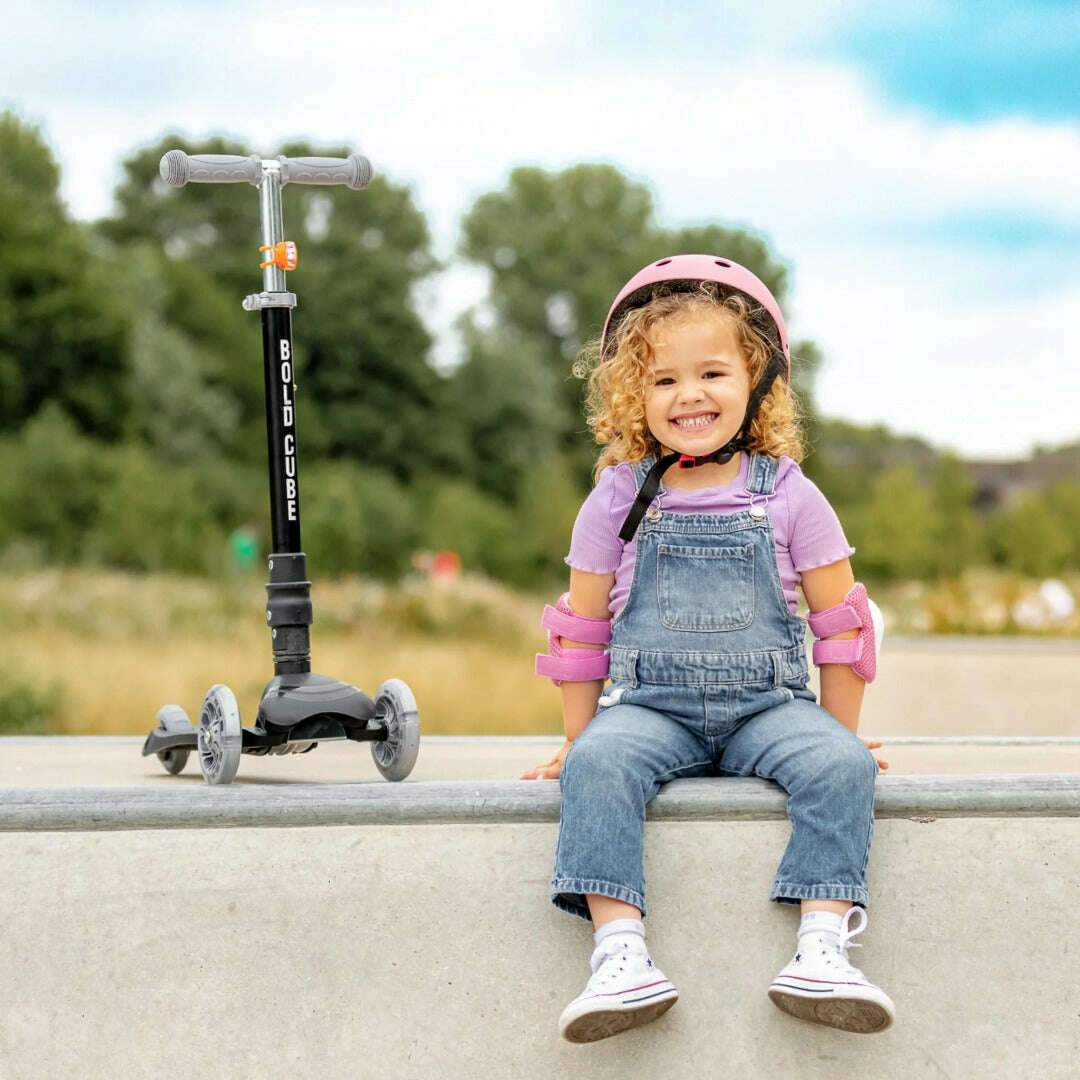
829	776
613	770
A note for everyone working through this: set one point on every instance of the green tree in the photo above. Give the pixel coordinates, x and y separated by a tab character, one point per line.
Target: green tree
505	401
559	245
180	409
549	504
957	532
806	363
62	329
1064	497
1030	537
52	478
893	530
366	388
848	458
479	528
153	516
357	520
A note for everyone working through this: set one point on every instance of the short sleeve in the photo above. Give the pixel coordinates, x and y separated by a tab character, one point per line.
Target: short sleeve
595	545
815	535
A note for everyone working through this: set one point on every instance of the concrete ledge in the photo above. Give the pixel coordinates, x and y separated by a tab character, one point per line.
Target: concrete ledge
431	952
501	802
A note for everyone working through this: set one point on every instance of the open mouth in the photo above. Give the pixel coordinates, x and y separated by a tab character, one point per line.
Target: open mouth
695	423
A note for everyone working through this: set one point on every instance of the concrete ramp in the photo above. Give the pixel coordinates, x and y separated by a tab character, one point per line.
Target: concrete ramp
403	931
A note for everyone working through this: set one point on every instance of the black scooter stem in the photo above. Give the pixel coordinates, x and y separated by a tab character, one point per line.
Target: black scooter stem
281	446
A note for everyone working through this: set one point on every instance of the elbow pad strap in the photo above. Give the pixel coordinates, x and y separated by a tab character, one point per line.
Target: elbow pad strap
564	621
855	611
573	665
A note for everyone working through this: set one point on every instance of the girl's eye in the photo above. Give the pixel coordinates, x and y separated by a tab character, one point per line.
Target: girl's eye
666	380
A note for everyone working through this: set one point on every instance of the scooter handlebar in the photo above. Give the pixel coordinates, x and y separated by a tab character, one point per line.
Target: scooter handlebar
354	171
178	168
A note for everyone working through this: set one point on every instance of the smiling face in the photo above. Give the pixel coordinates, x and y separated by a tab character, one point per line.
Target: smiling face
698	386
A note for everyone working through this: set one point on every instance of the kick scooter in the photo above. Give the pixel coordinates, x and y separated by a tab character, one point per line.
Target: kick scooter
298	708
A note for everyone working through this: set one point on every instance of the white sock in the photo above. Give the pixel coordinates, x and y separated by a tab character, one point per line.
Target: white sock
821	922
633	930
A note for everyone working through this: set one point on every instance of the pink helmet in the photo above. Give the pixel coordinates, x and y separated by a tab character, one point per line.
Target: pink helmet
692	269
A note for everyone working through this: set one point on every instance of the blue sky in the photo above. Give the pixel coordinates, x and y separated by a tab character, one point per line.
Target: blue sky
912	163
971	61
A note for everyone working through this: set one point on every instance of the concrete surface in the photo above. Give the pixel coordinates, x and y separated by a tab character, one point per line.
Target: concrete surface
429	950
102	760
506	802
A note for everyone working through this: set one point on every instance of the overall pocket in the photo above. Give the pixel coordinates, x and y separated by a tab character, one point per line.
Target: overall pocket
705	588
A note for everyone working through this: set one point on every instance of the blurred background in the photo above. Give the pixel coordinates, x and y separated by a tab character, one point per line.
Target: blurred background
899	175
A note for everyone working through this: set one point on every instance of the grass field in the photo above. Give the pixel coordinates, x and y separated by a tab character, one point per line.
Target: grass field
93	652
104	650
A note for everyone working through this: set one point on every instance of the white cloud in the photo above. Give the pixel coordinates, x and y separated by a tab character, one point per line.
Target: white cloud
908	346
745	133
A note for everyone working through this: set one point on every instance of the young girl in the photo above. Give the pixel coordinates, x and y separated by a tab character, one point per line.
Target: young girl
684	562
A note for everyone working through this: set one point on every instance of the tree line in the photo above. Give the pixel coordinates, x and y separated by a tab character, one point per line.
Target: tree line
131	396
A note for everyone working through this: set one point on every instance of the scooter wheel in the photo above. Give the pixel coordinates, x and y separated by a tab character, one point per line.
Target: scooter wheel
395	707
172	719
221	738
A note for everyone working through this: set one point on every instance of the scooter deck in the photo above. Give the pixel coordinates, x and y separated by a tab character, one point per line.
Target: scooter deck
302	707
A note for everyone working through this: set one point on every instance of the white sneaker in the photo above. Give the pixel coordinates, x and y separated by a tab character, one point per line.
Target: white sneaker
821	985
626	990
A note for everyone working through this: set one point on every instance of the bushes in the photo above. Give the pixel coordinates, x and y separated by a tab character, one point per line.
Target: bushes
26	709
356	520
73	500
67	499
155	517
51	480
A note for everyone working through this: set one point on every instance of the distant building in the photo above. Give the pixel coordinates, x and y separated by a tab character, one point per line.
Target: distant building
999	483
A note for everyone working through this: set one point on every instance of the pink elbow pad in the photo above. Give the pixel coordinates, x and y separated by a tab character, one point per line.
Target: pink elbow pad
573	665
855	611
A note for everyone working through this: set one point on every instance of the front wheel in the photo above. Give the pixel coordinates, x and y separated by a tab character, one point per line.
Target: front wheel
221	737
395	706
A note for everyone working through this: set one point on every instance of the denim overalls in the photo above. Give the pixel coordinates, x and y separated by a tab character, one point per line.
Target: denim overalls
709	675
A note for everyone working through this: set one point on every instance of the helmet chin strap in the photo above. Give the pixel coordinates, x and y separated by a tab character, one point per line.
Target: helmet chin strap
651	486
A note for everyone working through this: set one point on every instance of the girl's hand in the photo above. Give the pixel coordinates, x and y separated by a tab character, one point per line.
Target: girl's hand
549	770
873	744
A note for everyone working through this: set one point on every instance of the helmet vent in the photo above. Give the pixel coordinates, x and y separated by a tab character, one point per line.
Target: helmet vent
663	262
720	262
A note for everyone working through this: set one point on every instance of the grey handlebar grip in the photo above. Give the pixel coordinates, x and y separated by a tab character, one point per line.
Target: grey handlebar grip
177	169
354	171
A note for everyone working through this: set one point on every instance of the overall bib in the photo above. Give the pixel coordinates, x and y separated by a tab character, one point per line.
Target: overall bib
709	677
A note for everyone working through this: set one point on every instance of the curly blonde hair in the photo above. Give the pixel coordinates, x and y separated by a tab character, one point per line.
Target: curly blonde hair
617	380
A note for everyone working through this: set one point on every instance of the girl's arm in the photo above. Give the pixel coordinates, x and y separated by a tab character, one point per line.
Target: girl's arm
841	689
589	596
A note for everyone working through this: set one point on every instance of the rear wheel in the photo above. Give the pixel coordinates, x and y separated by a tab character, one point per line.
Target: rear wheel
173	720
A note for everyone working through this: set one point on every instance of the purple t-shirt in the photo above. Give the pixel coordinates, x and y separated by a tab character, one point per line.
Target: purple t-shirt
807	531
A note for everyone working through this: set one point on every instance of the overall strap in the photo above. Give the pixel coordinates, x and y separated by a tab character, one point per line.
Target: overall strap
643	467
647	473
761	474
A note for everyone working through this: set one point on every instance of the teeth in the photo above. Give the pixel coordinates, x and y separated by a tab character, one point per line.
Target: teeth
696	422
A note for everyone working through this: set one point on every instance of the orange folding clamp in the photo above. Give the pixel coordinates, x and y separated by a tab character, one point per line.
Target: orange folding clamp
285	255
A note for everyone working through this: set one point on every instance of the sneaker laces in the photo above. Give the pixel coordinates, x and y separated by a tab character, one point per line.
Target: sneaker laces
846	933
609	949
839	951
